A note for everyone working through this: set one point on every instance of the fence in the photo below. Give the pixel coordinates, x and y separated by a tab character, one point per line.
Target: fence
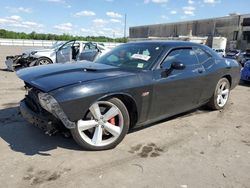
42	43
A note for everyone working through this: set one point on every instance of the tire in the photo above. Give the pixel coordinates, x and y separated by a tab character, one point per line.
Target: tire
43	61
93	132
220	95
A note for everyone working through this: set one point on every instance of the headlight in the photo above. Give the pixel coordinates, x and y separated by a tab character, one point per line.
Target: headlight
47	101
50	104
24	55
33	53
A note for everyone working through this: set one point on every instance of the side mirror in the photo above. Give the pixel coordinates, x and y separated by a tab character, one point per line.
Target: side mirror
174	66
177	66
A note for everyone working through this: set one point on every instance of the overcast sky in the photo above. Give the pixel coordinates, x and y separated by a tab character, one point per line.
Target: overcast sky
106	17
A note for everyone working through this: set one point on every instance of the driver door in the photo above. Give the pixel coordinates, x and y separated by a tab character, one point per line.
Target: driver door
64	53
179	90
90	52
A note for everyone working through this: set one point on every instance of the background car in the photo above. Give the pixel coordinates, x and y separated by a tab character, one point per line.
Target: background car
233	54
60	52
221	52
245	57
92	51
245	72
133	85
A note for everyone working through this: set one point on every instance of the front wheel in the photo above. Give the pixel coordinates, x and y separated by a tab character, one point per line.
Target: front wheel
43	61
221	95
103	127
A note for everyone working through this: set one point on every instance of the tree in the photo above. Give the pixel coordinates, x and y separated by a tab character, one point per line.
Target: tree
40	36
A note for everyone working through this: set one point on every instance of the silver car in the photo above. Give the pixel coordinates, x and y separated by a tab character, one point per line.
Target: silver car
61	52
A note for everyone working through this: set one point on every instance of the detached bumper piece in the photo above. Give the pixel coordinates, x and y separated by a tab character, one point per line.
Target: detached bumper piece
50	104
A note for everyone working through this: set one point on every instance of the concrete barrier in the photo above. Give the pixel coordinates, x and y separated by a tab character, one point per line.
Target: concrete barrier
43	43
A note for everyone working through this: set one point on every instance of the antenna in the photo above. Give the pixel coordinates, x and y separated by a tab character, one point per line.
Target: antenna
125	26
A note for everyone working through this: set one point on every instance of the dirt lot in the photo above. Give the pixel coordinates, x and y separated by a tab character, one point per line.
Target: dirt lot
197	149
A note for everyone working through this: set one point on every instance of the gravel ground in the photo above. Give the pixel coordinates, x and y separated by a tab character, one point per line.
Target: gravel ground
197	149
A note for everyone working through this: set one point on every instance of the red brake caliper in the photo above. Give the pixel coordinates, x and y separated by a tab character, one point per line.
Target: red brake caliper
112	120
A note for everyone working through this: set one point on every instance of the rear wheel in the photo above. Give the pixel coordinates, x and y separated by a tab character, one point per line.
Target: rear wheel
103	127
221	95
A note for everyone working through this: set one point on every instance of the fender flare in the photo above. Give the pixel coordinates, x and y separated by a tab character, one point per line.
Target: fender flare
115	94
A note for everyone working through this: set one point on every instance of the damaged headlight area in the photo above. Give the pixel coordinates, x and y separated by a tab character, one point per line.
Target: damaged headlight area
33	52
50	104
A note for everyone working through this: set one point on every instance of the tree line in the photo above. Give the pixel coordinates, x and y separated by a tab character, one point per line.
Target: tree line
64	37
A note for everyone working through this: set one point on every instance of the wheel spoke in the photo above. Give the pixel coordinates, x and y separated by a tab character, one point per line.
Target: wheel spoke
225	92
86	124
223	101
97	138
114	130
111	113
218	99
223	86
95	111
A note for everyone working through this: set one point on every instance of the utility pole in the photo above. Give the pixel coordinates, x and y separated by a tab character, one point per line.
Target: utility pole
114	37
125	27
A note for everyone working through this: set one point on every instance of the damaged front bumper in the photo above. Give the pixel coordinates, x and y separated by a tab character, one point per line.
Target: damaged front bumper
51	105
42	110
48	123
12	61
19	61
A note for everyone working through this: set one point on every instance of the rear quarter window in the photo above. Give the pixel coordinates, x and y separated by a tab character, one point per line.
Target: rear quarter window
203	57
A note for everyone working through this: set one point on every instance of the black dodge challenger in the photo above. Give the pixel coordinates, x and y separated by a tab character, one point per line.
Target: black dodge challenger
133	85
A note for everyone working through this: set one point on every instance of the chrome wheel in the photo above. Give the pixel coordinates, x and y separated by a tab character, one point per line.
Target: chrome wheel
44	62
222	94
103	124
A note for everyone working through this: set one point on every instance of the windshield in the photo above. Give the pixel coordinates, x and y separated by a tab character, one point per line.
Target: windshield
233	51
136	56
57	45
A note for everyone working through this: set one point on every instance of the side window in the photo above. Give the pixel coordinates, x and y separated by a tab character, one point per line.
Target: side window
202	55
89	46
204	58
68	45
183	55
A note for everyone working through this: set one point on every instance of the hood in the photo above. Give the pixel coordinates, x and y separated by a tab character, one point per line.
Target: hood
38	50
54	76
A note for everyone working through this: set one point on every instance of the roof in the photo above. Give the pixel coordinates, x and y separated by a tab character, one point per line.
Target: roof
167	43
